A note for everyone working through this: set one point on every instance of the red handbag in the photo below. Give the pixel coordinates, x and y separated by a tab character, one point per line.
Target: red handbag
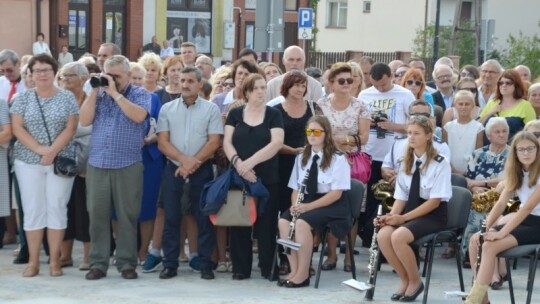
360	163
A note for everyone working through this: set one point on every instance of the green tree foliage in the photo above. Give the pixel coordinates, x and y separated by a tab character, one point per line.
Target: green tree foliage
465	43
521	50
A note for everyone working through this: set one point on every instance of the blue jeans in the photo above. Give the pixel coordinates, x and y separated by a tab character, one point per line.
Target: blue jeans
173	188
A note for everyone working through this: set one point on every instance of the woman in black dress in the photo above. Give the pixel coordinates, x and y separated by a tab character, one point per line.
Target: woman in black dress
253	137
329	176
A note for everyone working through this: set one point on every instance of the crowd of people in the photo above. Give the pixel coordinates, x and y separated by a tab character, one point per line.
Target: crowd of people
147	136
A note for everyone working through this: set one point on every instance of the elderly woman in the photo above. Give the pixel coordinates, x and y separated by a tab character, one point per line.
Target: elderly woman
509	103
253	137
484	171
350	121
534	98
152	64
72	78
44	121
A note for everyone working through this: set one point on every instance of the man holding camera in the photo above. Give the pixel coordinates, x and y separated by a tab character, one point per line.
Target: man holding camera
114	177
389	107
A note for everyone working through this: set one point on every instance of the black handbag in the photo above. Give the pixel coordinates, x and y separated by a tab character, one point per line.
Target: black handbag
63	166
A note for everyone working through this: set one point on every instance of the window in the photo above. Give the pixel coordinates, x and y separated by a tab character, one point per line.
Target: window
291	5
367	7
337	13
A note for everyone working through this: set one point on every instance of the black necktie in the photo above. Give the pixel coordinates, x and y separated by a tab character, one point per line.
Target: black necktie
311	184
414	191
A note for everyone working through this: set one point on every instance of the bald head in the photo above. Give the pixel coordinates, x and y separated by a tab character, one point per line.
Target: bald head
524	72
294	58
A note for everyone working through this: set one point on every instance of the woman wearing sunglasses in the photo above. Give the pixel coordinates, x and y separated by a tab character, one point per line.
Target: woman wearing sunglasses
423	189
509	103
329	177
521	173
465	84
350	121
414	81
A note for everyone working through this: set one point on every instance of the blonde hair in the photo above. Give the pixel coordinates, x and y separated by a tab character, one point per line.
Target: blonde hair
137	67
532	124
150	58
513	169
356	69
408	160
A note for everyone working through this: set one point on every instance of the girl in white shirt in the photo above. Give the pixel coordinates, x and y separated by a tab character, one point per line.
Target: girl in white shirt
415	213
317	209
521	172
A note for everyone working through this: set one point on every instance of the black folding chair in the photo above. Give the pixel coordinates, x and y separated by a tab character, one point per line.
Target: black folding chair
514	253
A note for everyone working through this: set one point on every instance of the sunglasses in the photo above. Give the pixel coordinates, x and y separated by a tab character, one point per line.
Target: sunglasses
465	74
428	115
228	85
416	82
472	90
315	132
505	82
342	81
419	118
399	74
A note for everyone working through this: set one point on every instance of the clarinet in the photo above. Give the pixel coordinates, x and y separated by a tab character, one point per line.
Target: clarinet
373	259
288	244
480	243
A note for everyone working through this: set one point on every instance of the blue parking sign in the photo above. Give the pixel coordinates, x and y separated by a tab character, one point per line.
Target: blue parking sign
305	17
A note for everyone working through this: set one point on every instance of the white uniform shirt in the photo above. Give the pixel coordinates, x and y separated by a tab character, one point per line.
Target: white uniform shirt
399	146
525	192
336	177
434	182
5	87
395	104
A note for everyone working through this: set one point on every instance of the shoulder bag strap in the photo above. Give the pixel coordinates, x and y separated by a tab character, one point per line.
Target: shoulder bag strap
43	117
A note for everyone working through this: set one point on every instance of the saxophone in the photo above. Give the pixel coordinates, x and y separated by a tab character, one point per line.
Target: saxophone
384	191
480	243
289	243
373	259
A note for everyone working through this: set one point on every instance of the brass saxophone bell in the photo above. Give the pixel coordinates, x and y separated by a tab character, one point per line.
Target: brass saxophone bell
512	206
484	201
384	191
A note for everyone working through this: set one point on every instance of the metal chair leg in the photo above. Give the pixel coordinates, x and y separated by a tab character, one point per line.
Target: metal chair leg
460	271
532	274
351	253
429	262
510	284
323	247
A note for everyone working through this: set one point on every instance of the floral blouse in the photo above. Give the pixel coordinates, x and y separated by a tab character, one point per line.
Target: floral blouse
484	164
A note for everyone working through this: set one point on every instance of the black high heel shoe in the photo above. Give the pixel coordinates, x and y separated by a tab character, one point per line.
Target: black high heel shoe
291	284
411	298
396	296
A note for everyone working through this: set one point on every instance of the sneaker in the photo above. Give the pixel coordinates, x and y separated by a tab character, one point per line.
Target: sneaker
229	267
195	264
151	264
222	267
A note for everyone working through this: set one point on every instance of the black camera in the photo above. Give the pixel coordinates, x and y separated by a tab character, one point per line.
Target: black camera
100	81
377	117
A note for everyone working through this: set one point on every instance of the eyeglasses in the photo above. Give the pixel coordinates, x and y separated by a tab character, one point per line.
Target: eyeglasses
228	85
428	115
399	74
524	150
416	82
472	90
8	70
342	81
443	77
505	82
315	132
536	134
41	71
66	76
466	74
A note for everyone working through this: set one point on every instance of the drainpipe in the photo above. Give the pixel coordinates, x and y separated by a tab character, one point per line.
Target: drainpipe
38	16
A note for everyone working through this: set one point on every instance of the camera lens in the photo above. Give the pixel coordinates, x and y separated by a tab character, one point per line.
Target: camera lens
95	82
104	81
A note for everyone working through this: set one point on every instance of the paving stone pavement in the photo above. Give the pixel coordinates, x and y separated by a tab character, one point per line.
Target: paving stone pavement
189	288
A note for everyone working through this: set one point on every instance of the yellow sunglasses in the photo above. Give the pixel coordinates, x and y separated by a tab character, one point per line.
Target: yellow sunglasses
315	132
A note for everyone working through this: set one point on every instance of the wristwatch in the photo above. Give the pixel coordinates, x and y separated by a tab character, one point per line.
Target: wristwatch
117	98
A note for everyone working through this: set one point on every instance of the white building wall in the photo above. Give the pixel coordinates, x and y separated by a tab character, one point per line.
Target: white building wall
391	25
149	17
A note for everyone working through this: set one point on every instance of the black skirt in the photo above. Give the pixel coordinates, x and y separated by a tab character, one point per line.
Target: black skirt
337	216
432	222
526	233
